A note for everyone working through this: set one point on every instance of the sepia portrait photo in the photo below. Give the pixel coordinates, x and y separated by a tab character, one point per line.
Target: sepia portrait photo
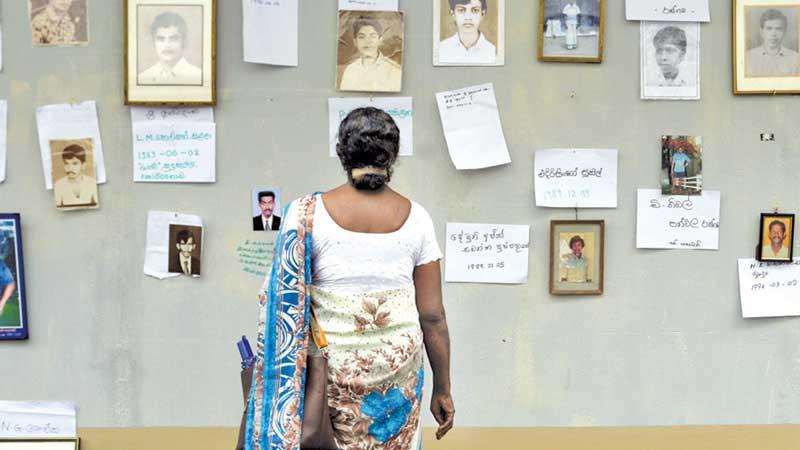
670	60
576	257
59	22
468	32
571	30
766	58
13	315
266	209
170	52
74	176
681	165
185	247
370	51
776	238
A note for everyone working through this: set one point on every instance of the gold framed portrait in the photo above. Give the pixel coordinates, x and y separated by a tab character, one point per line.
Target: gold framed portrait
571	30
776	238
170	52
577	253
765	46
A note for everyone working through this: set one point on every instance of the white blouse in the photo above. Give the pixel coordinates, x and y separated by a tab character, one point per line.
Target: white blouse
347	262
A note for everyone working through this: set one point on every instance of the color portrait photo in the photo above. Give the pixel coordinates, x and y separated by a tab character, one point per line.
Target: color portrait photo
681	165
777	237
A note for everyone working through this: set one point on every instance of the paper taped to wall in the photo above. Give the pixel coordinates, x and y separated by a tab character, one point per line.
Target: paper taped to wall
400	108
672	221
769	289
158	248
576	178
269	31
368	5
668	10
34	420
487	253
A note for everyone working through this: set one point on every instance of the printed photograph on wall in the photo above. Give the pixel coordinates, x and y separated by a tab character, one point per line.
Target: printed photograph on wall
13	308
370	51
765	41
59	22
74	176
577	257
468	32
670	60
266	209
571	30
776	238
185	248
681	165
170	52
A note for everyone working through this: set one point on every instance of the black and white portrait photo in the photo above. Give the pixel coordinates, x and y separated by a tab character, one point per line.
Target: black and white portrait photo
771	35
468	32
670	60
370	51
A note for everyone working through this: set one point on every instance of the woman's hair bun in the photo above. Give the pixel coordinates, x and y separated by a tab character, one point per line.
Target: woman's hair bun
368	137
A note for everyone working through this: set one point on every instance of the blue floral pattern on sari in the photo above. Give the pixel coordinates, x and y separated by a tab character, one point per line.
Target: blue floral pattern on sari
389	413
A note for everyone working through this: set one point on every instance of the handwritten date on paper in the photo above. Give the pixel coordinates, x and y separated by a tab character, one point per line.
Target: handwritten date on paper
576	178
769	289
255	257
485	253
182	152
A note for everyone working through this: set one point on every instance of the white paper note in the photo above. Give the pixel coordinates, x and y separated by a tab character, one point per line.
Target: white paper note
400	108
156	257
269	31
487	253
576	178
69	121
472	128
672	221
769	289
3	138
368	5
173	145
37	420
668	10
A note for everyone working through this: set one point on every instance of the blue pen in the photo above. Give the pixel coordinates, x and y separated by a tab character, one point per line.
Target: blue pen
246	352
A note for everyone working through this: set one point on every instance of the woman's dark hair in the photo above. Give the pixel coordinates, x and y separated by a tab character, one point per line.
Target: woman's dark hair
368	137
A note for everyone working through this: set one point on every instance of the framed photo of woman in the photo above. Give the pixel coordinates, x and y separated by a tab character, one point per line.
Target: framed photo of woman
170	52
13	307
571	30
577	252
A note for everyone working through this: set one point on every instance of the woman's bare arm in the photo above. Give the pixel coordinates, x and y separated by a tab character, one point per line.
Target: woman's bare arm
432	319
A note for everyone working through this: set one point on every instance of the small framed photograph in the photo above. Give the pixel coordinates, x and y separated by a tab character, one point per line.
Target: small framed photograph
681	165
571	30
577	257
468	32
185	248
765	47
776	238
170	52
59	23
370	51
13	305
266	205
670	60
40	444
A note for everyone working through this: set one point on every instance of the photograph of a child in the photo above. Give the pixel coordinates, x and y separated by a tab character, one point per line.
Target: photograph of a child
681	165
468	32
670	60
370	51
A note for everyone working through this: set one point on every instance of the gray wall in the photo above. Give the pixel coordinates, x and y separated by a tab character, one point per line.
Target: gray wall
665	345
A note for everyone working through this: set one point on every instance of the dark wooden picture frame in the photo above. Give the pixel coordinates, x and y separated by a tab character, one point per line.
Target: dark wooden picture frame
564	58
588	277
769	219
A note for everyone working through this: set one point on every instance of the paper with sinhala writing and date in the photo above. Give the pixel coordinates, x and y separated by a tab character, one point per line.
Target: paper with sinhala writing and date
173	144
677	221
576	178
3	138
472	128
668	10
400	108
368	5
156	256
269	31
69	121
487	253
39	419
769	289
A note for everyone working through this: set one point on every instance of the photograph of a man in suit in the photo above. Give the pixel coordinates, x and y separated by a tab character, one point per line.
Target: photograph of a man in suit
266	220
181	259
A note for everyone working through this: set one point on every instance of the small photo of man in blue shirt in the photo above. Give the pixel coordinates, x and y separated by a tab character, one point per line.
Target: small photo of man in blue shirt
681	165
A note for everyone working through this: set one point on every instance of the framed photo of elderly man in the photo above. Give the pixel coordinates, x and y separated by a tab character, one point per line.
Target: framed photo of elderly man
170	52
577	253
776	238
765	47
370	53
571	30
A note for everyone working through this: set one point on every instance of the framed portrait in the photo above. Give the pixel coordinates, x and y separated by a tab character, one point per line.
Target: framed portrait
469	32
765	47
681	165
13	305
571	30
59	22
370	51
185	248
776	238
670	60
40	444
266	209
577	249
74	177
170	52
